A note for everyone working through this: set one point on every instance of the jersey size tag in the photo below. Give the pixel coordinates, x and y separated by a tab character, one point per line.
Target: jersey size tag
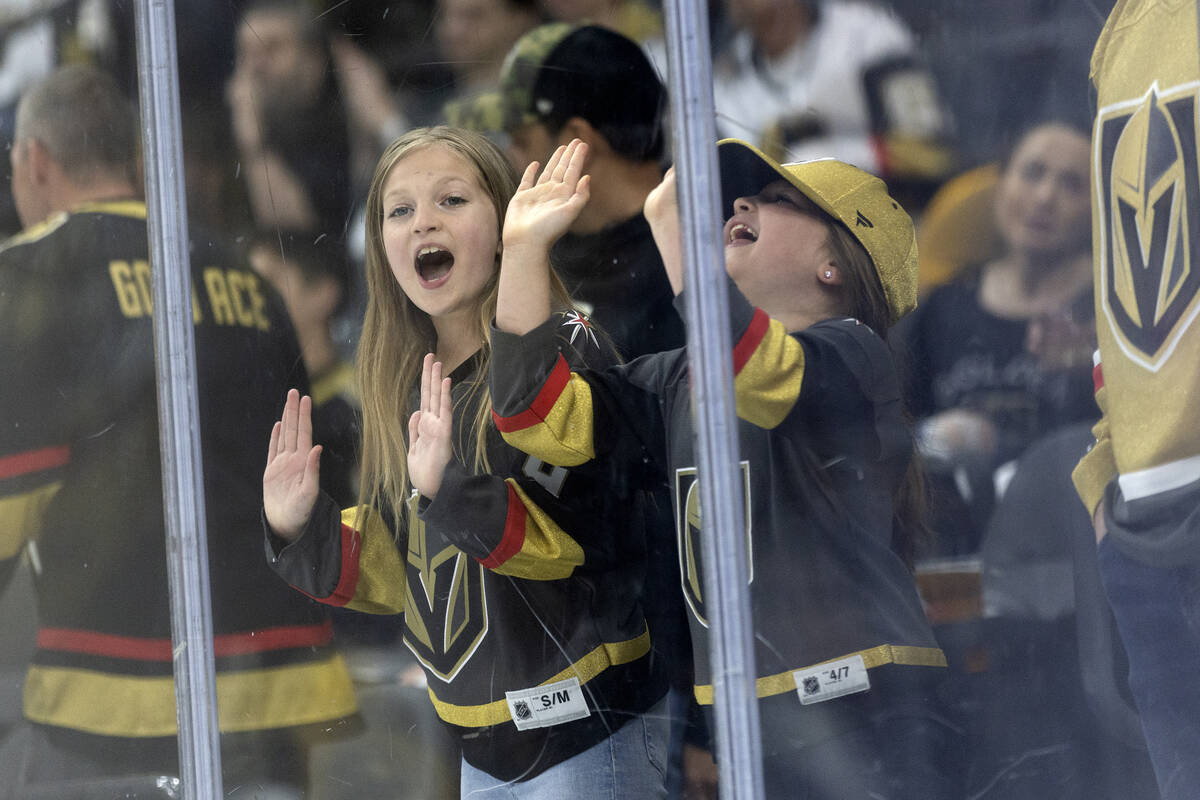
833	679
543	706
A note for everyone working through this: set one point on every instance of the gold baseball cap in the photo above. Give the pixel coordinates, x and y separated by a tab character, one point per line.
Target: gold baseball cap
855	198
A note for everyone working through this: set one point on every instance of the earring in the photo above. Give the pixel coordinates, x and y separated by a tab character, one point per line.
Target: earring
828	274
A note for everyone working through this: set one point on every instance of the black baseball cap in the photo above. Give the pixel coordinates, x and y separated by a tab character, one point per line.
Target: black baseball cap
558	71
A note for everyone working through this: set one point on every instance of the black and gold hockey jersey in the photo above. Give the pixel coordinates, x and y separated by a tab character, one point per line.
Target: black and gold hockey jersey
520	591
823	447
1146	247
80	484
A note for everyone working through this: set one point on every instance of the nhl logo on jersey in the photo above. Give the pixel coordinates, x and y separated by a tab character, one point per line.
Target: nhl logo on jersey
688	528
1148	189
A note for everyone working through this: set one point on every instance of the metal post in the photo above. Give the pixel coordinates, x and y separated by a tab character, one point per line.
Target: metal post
711	364
175	358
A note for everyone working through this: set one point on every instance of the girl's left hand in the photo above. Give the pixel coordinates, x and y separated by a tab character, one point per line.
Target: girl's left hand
542	211
430	430
662	212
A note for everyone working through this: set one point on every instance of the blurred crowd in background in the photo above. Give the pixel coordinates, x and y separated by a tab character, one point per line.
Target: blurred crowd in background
976	114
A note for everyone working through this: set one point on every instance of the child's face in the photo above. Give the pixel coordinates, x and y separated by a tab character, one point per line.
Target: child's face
773	247
440	231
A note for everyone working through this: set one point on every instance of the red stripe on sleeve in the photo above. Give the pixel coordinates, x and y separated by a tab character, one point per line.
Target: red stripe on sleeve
34	461
1098	377
514	533
538	410
750	340
347	584
141	649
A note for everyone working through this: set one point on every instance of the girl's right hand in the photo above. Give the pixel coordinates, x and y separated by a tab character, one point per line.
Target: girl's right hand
291	479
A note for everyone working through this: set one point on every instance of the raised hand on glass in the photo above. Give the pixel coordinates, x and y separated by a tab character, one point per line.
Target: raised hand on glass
430	430
291	479
546	204
541	211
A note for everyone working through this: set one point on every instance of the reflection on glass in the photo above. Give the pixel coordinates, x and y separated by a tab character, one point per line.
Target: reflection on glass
287	109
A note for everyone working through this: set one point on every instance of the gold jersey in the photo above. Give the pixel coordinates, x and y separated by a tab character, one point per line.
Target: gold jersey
1146	240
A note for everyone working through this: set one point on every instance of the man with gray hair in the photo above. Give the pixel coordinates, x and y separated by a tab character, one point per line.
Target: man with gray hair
80	487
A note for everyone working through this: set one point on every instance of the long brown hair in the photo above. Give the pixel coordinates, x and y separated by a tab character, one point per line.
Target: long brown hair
863	298
396	334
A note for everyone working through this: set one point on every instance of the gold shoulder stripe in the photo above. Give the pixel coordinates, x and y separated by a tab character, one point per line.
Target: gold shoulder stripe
493	713
768	384
547	552
126	705
783	682
376	582
558	425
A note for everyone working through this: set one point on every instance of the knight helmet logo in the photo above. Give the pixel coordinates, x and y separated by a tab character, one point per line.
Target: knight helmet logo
689	527
445	605
1148	187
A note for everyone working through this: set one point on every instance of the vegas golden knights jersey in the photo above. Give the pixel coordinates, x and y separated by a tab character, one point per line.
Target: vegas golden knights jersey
509	581
1146	239
80	485
824	446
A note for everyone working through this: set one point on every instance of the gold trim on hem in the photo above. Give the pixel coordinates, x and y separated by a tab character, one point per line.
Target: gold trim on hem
247	700
608	654
783	682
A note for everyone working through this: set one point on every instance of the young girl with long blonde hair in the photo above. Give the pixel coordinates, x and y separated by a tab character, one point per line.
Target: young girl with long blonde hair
519	581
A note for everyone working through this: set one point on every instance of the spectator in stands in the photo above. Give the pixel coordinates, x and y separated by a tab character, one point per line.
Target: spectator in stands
566	82
475	35
841	79
472	36
289	122
1000	356
1141	479
81	486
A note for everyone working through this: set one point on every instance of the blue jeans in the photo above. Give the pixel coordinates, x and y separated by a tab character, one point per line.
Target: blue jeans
629	764
1158	614
907	755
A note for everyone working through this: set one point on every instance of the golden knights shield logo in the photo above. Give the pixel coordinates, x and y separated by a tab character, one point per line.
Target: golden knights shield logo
445	608
1148	193
688	529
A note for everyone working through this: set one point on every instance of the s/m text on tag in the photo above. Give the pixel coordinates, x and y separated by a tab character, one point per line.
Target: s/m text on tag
832	679
543	706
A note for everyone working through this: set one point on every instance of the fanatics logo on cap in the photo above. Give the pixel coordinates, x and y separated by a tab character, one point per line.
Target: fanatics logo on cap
862	221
